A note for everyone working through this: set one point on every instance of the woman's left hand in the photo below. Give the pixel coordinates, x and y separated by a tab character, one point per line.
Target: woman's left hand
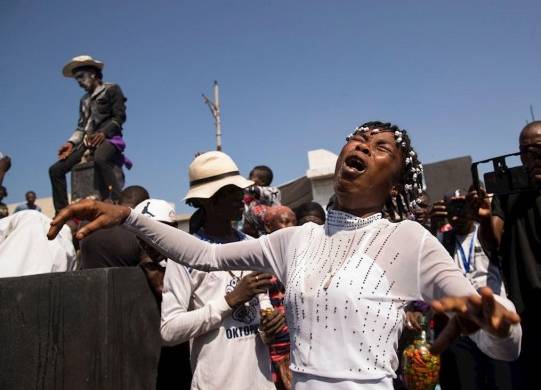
479	312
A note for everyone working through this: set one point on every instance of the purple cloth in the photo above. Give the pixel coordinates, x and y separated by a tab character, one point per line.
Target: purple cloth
420	306
118	142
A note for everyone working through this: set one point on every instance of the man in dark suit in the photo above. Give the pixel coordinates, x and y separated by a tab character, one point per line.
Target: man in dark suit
102	112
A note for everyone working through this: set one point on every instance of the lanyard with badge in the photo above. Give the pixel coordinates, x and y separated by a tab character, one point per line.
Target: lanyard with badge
466	261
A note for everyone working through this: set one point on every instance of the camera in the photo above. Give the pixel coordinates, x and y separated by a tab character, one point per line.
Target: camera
502	180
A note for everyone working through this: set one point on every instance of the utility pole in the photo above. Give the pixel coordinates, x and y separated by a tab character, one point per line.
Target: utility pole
214	107
531	113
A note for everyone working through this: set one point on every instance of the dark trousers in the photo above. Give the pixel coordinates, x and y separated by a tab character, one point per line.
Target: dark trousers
174	370
465	367
526	368
105	156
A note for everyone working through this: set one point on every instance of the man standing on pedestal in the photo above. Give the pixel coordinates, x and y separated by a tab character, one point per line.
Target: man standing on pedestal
102	112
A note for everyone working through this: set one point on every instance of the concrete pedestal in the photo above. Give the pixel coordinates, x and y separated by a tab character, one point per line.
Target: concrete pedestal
84	181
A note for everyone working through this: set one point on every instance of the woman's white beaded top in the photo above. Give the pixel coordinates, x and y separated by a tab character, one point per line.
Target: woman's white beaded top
347	283
348	290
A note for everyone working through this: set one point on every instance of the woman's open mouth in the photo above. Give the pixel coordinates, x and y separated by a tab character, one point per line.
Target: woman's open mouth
354	165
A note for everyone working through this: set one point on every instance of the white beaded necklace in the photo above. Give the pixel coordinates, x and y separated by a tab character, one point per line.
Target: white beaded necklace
339	220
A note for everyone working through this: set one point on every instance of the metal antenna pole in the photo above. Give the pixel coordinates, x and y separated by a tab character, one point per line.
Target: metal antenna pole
531	113
214	107
217	118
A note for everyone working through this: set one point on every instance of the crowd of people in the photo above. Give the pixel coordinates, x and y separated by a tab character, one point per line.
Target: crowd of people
261	296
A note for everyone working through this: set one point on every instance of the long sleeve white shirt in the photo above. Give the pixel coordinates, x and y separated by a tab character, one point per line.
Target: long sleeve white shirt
347	283
226	350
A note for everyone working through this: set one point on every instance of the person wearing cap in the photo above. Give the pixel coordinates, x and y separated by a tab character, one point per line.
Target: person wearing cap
102	111
174	370
152	261
218	310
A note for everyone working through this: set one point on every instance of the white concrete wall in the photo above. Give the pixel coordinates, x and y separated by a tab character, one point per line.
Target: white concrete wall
322	190
321	164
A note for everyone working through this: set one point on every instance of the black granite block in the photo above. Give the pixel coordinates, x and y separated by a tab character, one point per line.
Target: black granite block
91	329
84	181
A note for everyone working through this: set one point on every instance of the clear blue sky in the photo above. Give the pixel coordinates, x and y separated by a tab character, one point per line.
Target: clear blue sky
294	76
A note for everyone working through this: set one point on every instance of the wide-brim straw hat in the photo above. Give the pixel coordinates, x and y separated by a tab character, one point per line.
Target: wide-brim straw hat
211	171
77	62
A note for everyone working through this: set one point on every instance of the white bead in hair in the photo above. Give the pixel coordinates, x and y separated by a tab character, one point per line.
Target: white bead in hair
412	153
398	140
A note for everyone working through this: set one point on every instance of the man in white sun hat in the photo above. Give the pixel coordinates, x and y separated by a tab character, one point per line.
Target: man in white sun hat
102	111
219	311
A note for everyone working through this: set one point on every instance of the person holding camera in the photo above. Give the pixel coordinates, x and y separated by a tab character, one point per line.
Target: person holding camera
516	234
467	214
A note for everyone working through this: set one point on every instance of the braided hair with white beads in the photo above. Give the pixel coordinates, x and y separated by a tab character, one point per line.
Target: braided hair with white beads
410	187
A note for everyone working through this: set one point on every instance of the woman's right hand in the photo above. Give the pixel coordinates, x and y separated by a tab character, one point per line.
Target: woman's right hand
101	215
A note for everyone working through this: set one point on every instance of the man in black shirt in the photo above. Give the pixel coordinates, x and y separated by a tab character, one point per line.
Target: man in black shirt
114	247
516	223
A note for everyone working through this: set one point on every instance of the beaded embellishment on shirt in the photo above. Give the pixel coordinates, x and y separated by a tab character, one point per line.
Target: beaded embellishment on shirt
339	220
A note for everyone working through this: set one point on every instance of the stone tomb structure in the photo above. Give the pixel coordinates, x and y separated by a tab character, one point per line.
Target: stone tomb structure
91	329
